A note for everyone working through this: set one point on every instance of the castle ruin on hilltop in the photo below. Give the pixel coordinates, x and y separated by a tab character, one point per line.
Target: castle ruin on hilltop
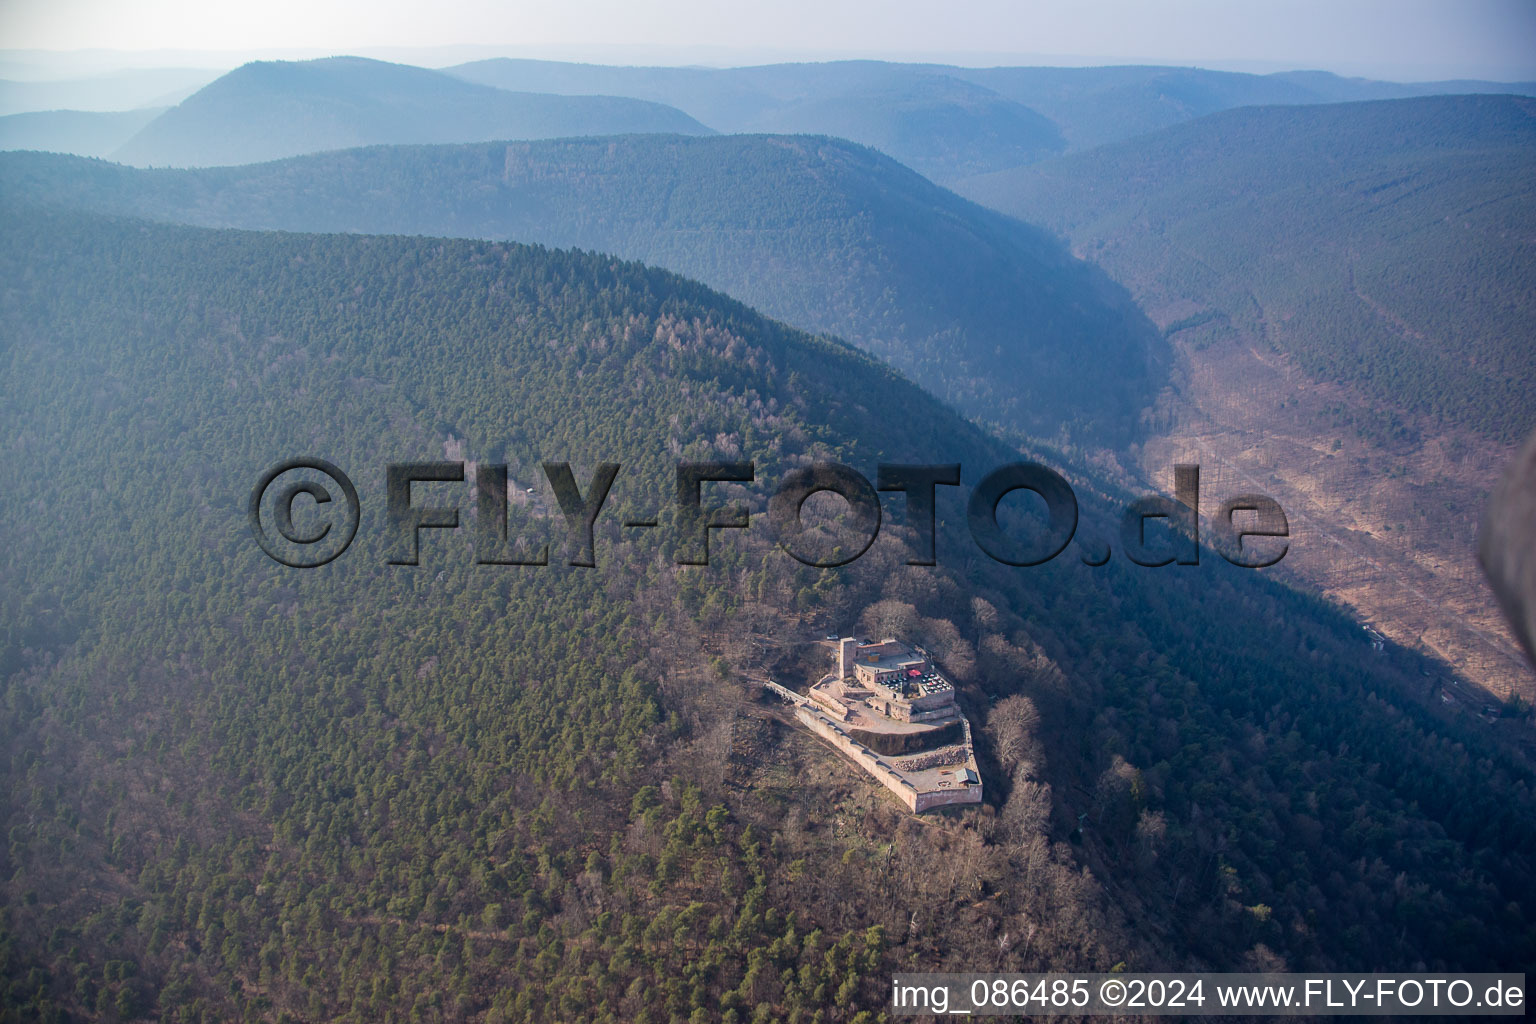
888	708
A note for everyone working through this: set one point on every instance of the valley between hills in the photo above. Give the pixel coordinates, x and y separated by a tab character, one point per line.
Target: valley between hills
1347	295
1384	528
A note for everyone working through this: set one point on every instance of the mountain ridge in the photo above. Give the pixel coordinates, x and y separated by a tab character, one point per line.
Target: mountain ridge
77	132
1377	170
268	110
1083	106
830	236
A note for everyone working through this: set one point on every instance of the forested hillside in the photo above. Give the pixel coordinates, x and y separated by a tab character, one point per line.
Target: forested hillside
1389	245
459	791
266	110
1349	295
991	314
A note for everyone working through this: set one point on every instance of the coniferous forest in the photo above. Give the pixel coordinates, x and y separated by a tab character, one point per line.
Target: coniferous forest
407	614
456	791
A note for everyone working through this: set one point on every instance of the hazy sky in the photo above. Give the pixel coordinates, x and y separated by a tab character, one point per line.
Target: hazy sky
1383	38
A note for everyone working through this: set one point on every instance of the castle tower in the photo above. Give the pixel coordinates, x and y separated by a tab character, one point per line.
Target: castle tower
845	656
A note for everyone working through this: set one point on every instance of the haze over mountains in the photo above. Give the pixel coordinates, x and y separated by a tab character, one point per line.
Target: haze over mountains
83	132
946	122
268	110
941	125
1098	105
989	313
128	89
941	119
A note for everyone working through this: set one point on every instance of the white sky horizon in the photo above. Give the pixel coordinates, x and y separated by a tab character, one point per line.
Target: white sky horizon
1400	40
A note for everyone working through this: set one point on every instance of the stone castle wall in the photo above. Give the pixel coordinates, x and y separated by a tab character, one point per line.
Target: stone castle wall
823	726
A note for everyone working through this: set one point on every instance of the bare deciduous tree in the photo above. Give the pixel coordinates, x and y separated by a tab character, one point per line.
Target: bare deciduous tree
889	619
1013	724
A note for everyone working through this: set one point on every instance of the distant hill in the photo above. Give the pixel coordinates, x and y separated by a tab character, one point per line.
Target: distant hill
1337	88
985	115
120	90
272	109
1390	245
1099	105
81	132
941	125
989	313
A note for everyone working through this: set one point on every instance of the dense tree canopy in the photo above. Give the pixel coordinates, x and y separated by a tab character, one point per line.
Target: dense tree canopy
455	791
988	313
1386	245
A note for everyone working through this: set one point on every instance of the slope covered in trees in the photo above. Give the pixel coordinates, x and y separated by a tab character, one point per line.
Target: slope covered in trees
1387	245
991	314
1349	297
266	110
461	791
